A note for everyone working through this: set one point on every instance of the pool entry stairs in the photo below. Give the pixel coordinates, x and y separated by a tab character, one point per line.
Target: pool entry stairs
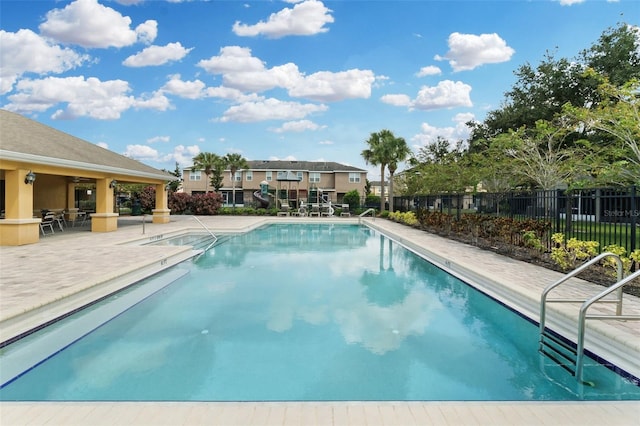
560	348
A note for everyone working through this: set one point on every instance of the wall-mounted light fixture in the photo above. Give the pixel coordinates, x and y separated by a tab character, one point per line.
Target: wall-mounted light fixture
30	178
113	183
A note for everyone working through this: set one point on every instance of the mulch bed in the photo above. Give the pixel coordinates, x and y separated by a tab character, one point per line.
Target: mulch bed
595	274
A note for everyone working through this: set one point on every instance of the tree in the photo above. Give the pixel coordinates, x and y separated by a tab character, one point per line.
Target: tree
399	152
440	167
217	174
384	149
616	55
541	91
235	162
618	115
540	156
207	162
175	184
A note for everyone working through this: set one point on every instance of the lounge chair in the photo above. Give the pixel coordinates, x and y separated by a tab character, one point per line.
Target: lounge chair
284	208
315	210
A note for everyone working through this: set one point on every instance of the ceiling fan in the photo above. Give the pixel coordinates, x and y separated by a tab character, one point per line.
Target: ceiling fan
77	179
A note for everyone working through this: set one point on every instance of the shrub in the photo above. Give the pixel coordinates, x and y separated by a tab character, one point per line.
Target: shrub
206	204
532	240
179	202
352	198
567	254
147	199
408	218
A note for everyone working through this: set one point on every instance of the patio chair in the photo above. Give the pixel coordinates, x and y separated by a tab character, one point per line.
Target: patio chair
47	222
59	219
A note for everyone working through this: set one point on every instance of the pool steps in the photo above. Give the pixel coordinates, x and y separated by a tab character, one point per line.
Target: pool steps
566	354
21	359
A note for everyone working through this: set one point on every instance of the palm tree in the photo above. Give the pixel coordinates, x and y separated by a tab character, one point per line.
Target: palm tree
399	152
235	162
385	149
206	161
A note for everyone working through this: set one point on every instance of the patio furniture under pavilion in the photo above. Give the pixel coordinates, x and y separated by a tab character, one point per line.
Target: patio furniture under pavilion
41	168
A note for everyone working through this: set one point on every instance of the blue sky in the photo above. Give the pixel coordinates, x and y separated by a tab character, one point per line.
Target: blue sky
161	81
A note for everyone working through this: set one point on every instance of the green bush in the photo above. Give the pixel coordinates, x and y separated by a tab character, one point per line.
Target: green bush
352	198
568	254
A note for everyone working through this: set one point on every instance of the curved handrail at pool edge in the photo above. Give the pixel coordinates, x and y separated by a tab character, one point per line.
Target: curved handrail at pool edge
215	239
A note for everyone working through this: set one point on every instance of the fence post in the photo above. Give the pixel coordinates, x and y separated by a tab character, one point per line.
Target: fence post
634	219
557	211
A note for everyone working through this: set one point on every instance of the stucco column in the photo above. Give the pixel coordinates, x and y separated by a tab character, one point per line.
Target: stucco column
72	211
104	219
19	227
161	212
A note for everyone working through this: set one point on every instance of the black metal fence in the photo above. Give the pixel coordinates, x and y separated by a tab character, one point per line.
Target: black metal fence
607	215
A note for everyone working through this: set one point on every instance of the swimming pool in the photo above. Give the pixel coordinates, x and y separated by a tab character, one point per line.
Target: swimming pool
304	312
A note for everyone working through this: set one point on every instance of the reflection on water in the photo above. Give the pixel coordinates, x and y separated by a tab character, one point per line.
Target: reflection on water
318	312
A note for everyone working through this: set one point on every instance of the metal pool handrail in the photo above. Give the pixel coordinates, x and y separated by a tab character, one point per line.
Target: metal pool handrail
582	317
215	239
364	213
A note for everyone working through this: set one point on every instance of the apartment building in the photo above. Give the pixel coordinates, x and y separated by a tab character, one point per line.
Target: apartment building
293	181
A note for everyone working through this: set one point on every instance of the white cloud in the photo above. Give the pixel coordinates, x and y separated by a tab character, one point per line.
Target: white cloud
184	89
25	51
104	100
298	126
430	70
90	24
429	133
306	18
396	100
287	158
447	94
182	154
158	139
157	55
242	71
147	31
270	109
329	86
141	152
103	145
232	59
325	143
198	90
468	51
571	2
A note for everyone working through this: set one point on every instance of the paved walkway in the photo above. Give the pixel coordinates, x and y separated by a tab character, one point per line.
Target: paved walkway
63	271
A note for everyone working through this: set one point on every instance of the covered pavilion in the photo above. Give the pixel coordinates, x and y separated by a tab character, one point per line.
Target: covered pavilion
41	168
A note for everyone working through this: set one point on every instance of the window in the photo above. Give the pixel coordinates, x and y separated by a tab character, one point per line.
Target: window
314	177
354	177
195	175
269	174
300	176
238	177
249	175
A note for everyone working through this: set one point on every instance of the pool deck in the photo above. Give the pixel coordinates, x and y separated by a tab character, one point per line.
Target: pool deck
41	281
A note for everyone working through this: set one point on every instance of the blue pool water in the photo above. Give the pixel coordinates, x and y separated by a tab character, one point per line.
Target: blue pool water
298	313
